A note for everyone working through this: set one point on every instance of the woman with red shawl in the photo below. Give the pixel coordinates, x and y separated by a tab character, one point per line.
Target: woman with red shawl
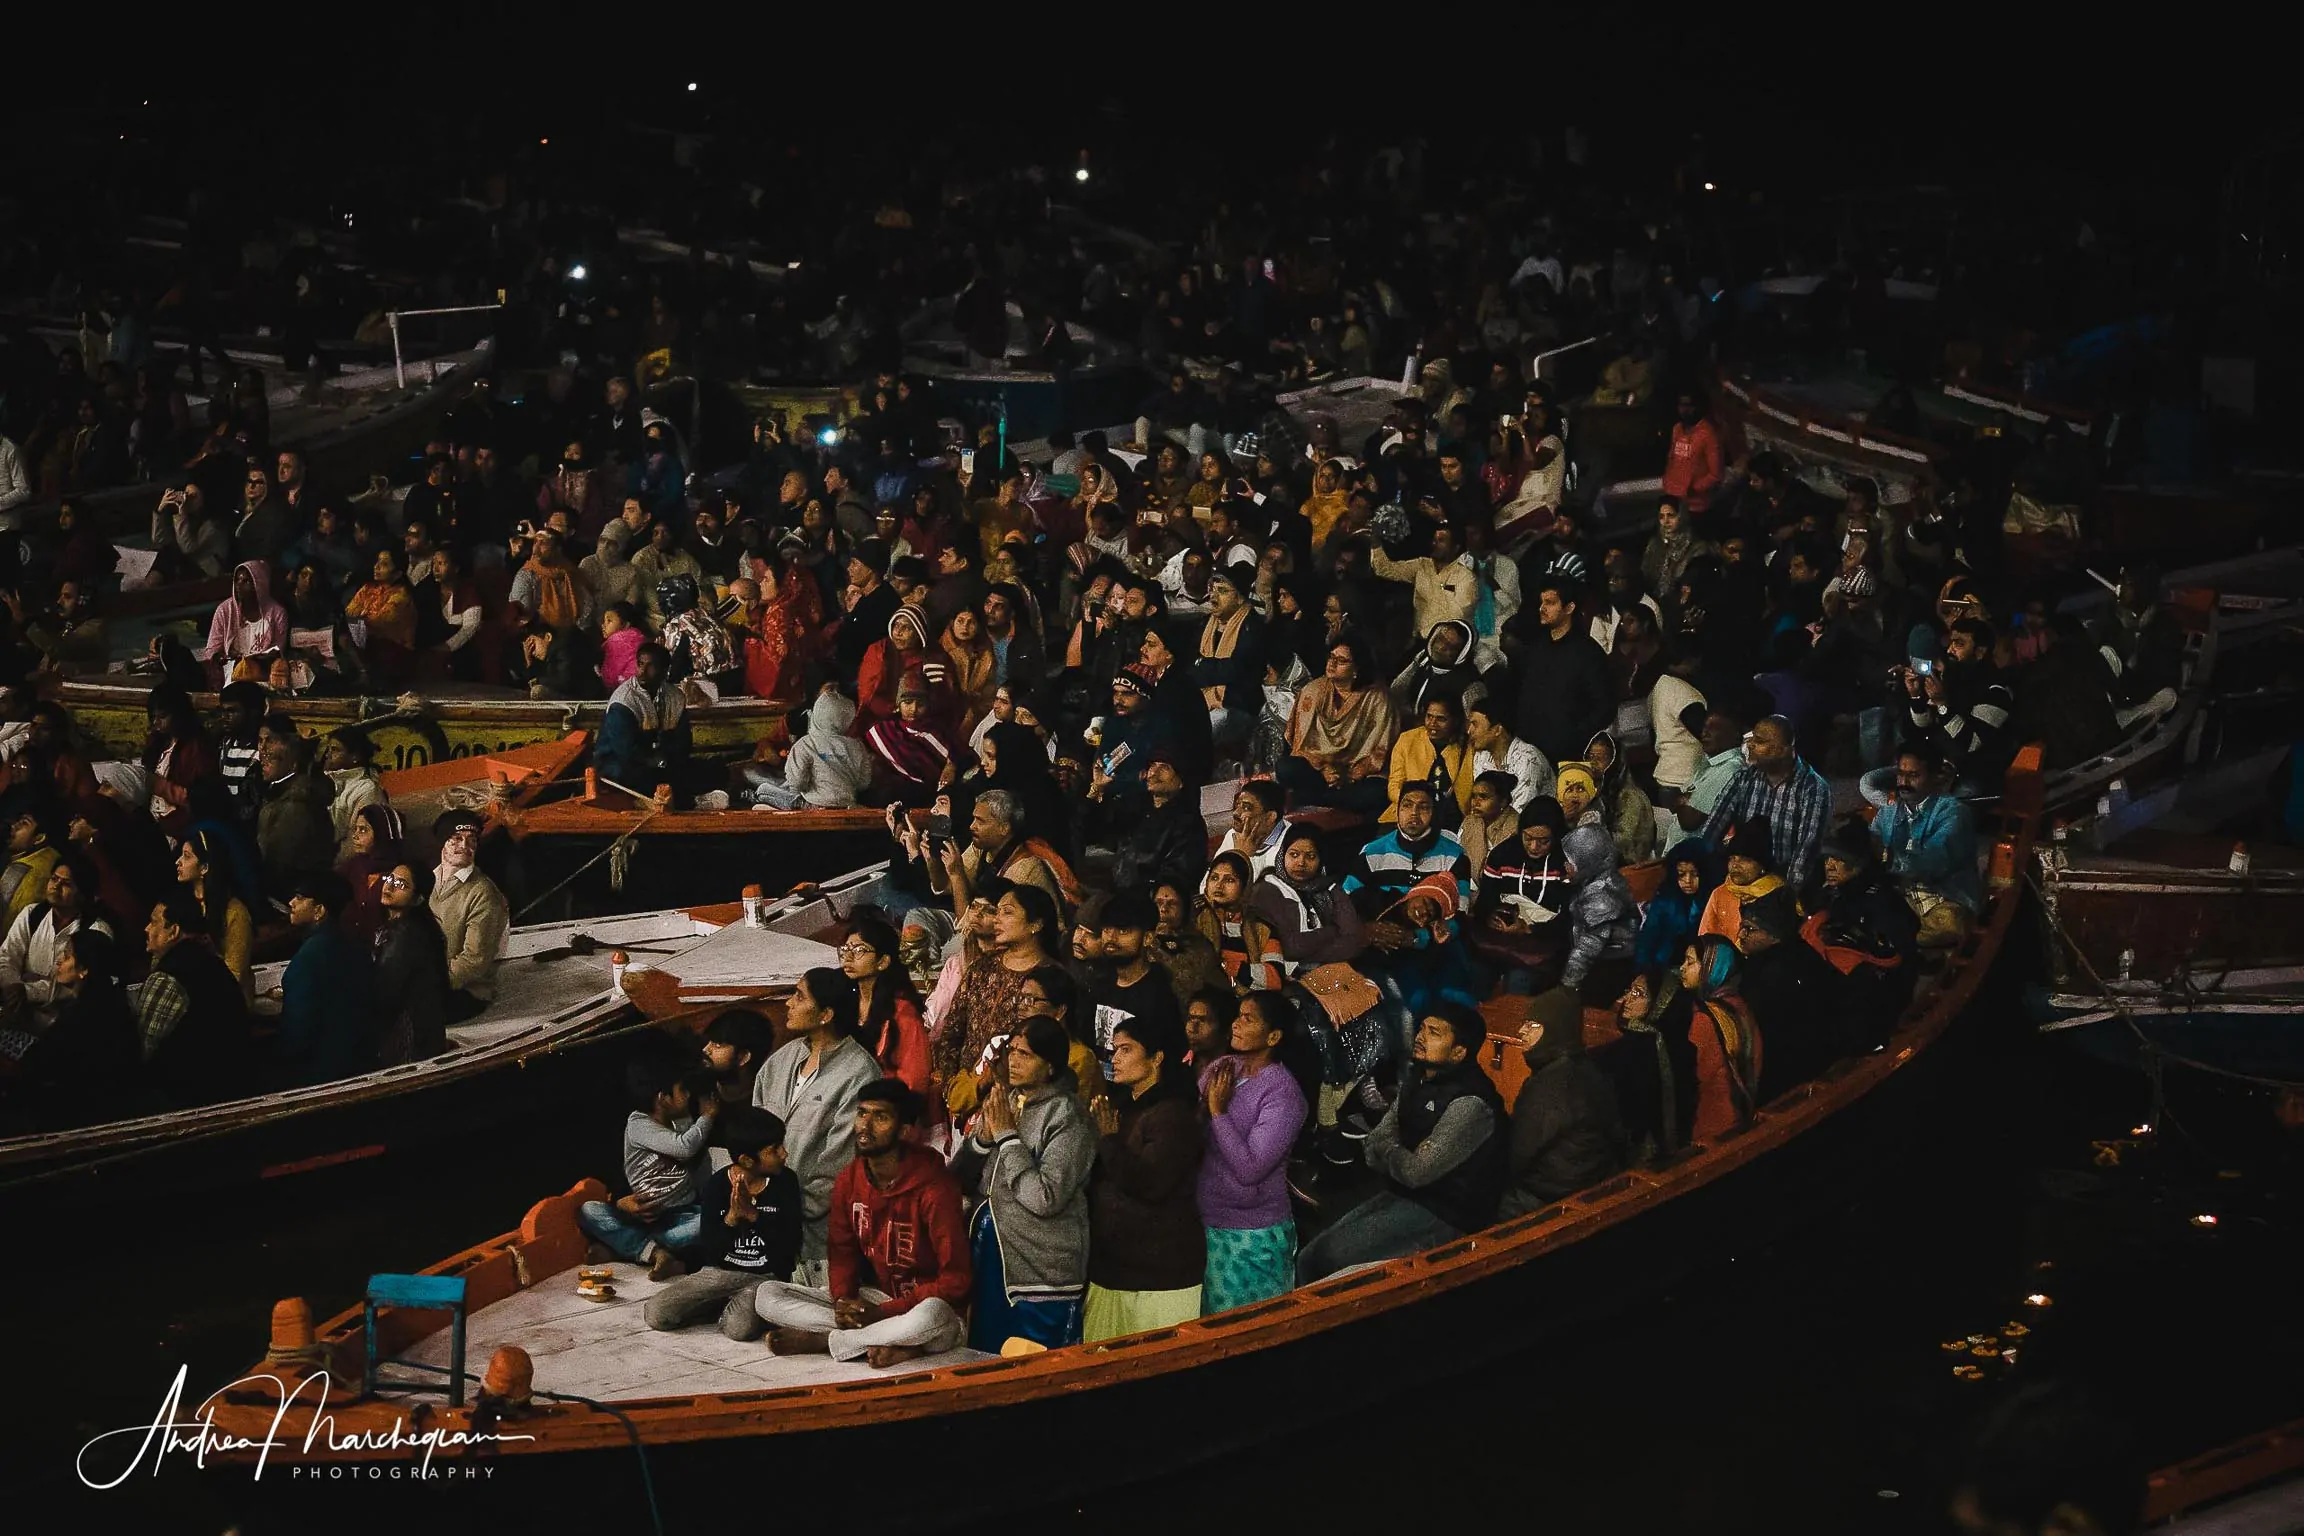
904	655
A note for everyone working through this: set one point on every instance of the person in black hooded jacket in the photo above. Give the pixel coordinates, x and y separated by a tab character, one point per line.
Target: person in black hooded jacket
1567	1133
1866	931
1793	994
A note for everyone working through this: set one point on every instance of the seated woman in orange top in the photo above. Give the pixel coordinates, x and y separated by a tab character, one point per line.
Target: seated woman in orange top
388	608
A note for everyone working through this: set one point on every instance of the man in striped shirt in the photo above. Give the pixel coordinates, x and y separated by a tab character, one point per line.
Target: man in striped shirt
1794	797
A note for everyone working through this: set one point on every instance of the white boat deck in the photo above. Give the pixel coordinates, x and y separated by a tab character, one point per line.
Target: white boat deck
606	1350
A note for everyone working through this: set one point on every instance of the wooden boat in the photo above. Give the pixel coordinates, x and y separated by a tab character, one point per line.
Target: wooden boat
700	1413
663	855
554	993
2255	1484
364	421
413	730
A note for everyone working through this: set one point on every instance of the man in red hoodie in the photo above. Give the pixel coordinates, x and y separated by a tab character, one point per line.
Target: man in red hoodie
898	1251
1692	471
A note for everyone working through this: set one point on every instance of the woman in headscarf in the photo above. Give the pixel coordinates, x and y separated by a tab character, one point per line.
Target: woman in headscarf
1325	507
1726	1042
1340	737
1312	920
249	630
379	842
1675	911
1443	668
1751	866
608	570
1215	472
767	639
1578	788
1624	806
975	670
388	608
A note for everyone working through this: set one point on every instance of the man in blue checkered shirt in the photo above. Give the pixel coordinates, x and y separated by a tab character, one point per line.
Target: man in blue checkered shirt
1794	797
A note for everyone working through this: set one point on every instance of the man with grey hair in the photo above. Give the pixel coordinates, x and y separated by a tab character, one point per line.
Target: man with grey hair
998	844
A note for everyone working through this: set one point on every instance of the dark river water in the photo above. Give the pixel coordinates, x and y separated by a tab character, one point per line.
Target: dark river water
1800	1387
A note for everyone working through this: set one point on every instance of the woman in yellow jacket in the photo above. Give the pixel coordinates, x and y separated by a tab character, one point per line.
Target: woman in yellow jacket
1437	755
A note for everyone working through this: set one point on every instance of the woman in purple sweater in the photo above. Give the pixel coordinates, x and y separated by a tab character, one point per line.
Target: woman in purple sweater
1255	1112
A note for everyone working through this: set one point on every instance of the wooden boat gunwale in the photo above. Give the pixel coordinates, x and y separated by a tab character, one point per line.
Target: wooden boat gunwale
548	1241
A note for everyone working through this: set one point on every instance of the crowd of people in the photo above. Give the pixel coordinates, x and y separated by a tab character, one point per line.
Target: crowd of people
1086	1063
222	844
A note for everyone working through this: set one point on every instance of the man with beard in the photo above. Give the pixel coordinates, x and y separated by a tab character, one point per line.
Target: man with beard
1960	706
1566	694
898	1269
1928	838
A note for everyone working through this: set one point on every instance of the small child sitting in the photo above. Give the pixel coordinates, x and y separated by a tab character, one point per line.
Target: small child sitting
751	1232
664	1140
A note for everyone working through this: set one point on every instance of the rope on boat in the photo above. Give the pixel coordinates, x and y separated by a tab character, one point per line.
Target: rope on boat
2154	1056
655	808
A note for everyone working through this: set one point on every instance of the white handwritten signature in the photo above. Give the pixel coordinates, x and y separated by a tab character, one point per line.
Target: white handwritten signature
169	1433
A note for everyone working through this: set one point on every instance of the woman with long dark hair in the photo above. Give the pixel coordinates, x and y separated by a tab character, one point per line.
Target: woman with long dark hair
1256	1110
1024	937
379	842
410	989
887	1004
206	870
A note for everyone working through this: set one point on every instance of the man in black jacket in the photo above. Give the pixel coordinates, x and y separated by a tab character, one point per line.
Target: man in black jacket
1567	1133
751	1232
1793	996
1961	706
876	604
1566	695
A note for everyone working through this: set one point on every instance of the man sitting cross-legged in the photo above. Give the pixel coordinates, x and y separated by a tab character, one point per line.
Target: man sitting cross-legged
754	1235
898	1250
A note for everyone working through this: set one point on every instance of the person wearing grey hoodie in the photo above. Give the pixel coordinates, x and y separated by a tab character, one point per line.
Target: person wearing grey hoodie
826	770
1604	920
812	1084
1030	1152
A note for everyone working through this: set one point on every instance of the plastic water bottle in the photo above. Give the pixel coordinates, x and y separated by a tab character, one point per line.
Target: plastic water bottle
2239	865
2127	963
617	961
755	907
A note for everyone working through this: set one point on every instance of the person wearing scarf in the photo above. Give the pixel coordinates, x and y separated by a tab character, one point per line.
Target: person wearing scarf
379	843
551	590
766	639
975	670
1340	737
1623	805
1229	668
1490	822
903	655
608	570
1436	754
1524	888
1326	506
1245	944
1314	923
248	626
910	760
1726	1042
1577	787
1752	874
388	608
1443	668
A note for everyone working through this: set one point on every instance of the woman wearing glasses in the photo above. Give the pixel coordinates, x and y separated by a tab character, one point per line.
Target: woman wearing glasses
411	981
887	1003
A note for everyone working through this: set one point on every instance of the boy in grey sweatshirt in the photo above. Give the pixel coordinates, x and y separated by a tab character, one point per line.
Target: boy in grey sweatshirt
664	1140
